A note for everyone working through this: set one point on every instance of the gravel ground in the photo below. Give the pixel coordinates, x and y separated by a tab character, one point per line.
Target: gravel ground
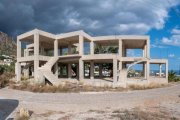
91	105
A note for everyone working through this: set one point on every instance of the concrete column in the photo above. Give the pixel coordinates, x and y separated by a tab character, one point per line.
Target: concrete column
92	47
69	49
26	72
123	51
92	70
81	69
160	70
120	47
56	69
120	65
114	70
145	51
77	71
69	71
18	48
81	45
18	71
100	71
147	70
56	48
167	70
36	55
148	48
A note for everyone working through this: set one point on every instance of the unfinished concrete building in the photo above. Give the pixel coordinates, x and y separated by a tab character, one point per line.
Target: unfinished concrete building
77	56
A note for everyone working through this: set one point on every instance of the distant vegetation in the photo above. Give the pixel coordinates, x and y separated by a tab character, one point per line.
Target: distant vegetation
172	77
7	45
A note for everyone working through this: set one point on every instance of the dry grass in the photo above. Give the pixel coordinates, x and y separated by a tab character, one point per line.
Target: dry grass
23	114
5	79
67	87
143	87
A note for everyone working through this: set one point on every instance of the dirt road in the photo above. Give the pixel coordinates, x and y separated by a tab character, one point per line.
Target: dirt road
60	105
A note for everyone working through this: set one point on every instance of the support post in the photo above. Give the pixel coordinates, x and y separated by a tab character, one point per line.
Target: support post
92	48
114	70
160	70
100	71
81	45
92	70
26	71
18	48
69	71
36	55
120	47
18	71
56	69
147	70
81	69
56	48
167	70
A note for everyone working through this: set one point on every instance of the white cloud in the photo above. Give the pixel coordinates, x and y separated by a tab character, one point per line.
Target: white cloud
171	55
174	39
175	31
157	46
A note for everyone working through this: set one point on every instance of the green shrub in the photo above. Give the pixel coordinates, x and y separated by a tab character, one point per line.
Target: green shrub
172	77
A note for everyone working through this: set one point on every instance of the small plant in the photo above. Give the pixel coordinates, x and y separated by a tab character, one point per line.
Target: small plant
143	87
24	114
172	77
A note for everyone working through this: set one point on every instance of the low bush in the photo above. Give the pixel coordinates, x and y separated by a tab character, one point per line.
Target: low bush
5	79
143	87
67	87
172	77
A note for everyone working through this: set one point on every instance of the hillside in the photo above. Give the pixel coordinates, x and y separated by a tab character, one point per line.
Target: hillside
7	45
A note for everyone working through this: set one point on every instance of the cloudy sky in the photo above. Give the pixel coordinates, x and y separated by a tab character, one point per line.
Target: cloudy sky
158	18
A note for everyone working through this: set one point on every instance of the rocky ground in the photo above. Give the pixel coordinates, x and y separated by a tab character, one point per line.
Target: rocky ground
159	103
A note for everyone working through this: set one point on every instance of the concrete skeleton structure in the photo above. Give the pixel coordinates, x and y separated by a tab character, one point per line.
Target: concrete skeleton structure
76	56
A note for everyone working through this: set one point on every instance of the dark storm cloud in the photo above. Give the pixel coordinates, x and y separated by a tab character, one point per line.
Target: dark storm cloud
96	17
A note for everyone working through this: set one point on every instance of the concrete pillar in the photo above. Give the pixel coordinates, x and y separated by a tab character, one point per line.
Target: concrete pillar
69	49
145	51
36	55
160	70
18	48
69	71
123	51
167	70
81	69
56	69
120	47
147	70
120	65
100	71
92	70
26	71
18	71
114	70
56	48
81	45
92	47
77	71
148	48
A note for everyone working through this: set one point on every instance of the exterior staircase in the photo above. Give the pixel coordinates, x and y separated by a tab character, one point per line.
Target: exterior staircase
45	70
124	72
